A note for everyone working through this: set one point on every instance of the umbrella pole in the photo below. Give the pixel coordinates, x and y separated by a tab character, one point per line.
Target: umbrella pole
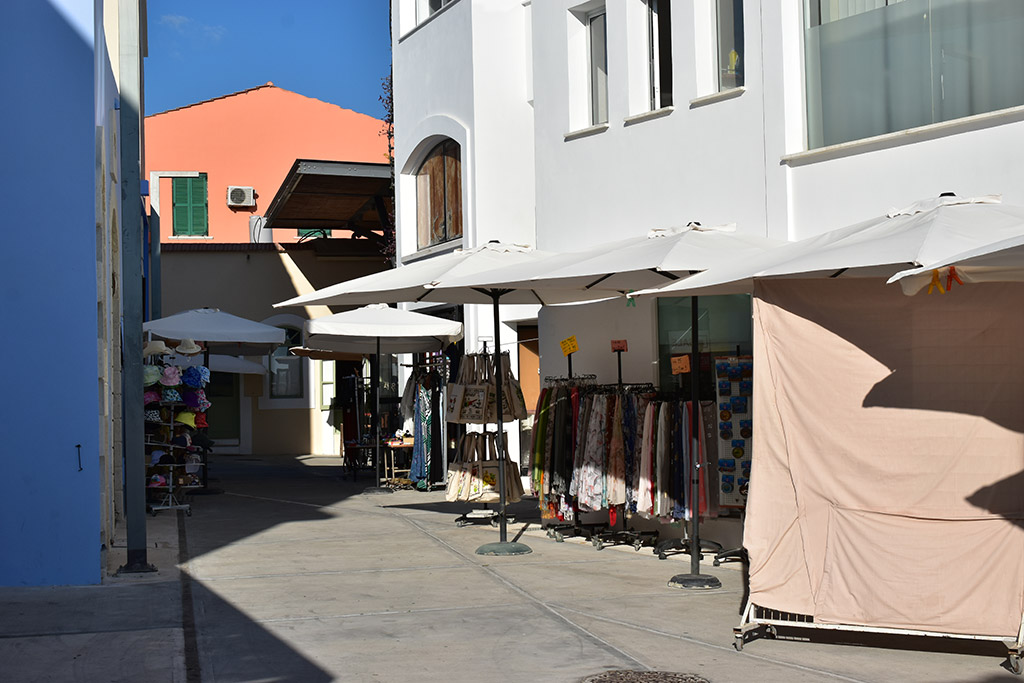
503	546
694	579
375	385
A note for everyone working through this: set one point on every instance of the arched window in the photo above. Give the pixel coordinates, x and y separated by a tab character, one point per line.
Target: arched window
439	195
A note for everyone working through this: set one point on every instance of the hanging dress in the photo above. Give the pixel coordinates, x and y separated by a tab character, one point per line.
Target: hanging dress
616	479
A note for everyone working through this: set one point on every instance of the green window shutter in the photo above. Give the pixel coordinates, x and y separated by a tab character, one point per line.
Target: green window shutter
199	224
180	206
189	205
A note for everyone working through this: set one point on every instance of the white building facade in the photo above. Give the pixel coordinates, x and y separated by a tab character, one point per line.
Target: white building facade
585	122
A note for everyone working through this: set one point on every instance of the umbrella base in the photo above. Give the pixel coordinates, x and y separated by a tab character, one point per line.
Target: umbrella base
376	490
507	548
694	582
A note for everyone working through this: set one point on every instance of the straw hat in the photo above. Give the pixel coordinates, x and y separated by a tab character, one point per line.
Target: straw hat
154	348
188	347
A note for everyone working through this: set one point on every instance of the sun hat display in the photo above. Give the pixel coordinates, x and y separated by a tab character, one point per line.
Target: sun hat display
150	374
150	396
152	416
186	418
201	421
188	347
155	348
171	396
171	376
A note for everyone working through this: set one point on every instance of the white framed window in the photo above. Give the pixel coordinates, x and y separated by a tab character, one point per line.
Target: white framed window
597	53
427	8
883	66
659	53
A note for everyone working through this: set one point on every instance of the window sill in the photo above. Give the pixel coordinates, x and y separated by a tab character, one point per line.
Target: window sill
190	237
719	96
426	21
906	137
586	132
648	115
432	250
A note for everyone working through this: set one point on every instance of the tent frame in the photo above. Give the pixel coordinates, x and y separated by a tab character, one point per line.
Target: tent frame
760	621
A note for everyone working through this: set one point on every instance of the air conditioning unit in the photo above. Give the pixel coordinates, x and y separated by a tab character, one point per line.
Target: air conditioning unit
241	196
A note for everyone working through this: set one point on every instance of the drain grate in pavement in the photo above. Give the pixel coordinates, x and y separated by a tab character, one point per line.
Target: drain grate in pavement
643	677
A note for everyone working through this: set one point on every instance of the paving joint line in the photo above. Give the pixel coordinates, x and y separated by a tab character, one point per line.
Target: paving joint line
201	577
697	641
532	598
382	613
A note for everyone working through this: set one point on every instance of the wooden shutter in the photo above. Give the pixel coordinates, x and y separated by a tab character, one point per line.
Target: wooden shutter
189	205
453	189
181	206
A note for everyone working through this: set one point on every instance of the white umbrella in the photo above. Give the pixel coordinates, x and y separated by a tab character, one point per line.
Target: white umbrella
1000	261
417	280
219	331
926	232
623	265
377	329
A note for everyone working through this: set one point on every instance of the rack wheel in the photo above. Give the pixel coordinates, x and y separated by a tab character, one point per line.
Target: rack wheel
599	545
188	512
637	544
461	522
662	556
1014	664
559	538
494	522
771	632
737	642
717	563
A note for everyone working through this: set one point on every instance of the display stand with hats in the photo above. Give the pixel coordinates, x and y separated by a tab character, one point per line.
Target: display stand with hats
175	407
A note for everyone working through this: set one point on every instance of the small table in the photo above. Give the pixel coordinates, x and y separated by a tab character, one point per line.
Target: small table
391	471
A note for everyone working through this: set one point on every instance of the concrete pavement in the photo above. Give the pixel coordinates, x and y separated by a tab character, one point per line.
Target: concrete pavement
292	575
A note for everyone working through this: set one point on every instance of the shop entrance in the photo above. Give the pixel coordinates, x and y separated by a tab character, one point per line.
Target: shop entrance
225	415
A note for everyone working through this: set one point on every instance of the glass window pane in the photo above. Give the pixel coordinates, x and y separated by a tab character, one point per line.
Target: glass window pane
286	378
598	69
725	329
877	68
730	44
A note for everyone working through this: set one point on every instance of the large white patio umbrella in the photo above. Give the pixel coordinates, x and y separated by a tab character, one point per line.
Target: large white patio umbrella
422	280
929	231
377	329
1000	261
622	266
219	331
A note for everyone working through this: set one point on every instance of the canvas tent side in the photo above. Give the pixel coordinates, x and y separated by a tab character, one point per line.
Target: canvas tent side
886	478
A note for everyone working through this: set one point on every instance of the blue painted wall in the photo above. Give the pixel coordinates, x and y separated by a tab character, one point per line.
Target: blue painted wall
49	508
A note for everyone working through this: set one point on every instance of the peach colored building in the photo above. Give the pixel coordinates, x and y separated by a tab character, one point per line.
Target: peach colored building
247	139
224	175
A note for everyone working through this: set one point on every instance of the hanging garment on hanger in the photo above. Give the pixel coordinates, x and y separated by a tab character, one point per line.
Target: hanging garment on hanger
590	492
644	494
663	502
616	478
419	471
540	423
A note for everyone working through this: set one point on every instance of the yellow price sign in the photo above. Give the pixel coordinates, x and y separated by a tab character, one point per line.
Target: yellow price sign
569	345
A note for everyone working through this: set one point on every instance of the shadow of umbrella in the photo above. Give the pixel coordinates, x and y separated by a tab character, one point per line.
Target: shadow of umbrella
1004	498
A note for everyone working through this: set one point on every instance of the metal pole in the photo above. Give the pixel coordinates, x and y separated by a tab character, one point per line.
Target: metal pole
694	439
502	455
375	385
503	546
376	412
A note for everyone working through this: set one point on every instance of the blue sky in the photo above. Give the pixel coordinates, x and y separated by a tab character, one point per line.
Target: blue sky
334	50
